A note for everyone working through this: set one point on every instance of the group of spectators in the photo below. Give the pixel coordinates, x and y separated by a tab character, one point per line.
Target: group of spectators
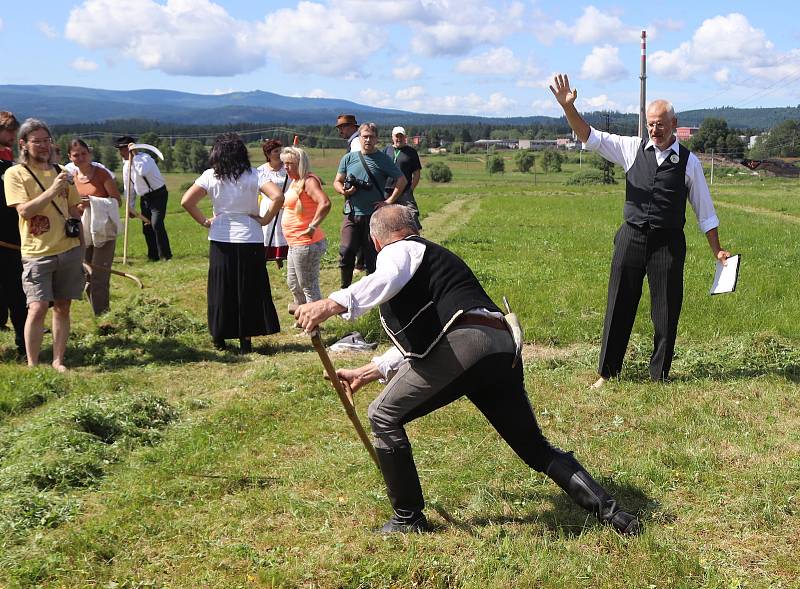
59	225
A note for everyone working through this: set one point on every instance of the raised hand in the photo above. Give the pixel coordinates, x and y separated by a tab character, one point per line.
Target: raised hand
563	93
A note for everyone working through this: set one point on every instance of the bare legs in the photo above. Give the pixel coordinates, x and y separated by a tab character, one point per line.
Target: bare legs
34	327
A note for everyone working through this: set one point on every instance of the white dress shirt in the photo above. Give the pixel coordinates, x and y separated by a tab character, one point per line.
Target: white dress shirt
395	266
146	176
622	151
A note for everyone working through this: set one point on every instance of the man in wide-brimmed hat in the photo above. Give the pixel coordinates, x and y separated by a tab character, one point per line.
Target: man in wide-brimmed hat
149	185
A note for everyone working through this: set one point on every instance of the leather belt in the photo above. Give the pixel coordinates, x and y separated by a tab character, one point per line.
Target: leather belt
483	320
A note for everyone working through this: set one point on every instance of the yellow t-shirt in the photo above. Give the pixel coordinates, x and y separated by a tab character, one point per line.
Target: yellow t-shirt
44	233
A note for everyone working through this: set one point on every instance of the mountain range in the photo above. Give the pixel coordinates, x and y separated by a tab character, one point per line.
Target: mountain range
71	104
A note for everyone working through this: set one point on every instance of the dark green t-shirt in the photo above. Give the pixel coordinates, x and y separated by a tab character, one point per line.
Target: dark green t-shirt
382	167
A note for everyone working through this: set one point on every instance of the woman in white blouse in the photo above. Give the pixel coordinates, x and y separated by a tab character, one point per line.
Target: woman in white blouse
275	246
239	296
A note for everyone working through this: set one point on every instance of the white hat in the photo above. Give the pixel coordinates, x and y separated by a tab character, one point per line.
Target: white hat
398	131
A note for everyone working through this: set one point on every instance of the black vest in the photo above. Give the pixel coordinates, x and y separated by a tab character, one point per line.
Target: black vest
442	288
656	195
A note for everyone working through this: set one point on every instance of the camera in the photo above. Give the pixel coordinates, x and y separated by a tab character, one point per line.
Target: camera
351	181
73	227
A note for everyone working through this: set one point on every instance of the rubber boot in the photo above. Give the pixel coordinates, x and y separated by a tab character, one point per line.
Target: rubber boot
404	491
586	492
346	274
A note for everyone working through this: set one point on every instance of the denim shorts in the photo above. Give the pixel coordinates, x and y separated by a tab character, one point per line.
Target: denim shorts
53	278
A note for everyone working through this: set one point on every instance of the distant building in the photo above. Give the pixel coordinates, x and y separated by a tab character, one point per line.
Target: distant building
683	133
499	143
537	143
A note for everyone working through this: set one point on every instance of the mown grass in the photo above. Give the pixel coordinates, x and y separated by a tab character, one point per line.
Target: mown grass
161	462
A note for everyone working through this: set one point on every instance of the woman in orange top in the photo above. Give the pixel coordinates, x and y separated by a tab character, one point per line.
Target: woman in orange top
101	223
305	207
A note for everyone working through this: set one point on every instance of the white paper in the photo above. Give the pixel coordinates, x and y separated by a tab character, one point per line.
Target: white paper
726	277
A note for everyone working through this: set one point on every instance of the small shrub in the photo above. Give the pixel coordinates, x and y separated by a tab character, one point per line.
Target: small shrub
586	177
525	161
551	160
495	164
439	172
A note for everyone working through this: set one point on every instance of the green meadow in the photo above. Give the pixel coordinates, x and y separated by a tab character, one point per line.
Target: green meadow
158	461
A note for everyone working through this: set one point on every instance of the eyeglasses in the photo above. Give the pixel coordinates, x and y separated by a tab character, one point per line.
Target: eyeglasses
45	141
656	125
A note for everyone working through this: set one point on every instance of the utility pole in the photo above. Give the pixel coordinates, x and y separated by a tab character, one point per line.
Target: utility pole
643	90
712	168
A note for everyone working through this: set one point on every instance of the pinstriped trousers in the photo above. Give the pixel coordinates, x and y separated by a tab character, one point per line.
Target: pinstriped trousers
658	254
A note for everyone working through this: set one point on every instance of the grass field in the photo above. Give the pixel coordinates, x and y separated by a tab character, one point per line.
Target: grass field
161	462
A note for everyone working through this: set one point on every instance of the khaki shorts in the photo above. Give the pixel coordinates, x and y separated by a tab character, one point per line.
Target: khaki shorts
53	278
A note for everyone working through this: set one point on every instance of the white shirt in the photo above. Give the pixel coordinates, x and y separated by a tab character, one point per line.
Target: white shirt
622	151
233	204
395	266
355	141
145	171
273	231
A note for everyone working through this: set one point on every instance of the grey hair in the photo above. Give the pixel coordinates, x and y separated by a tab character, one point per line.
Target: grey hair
390	220
371	126
666	104
28	127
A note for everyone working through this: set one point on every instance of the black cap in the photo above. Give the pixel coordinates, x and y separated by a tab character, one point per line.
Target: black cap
123	141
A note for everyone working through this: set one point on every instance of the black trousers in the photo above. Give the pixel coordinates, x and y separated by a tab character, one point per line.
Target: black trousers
471	361
354	237
660	255
154	207
11	293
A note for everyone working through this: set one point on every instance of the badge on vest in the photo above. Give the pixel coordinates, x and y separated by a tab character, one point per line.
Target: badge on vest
674	158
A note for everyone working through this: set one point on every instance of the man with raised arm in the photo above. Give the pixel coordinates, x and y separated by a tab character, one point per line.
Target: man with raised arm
660	176
450	340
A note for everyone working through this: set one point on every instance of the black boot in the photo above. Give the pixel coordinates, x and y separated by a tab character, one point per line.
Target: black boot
586	492
219	343
346	276
404	491
245	345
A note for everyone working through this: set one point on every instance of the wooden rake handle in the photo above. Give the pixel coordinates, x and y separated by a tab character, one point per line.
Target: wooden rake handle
345	395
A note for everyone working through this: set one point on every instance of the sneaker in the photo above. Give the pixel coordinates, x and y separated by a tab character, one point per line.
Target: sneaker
418	525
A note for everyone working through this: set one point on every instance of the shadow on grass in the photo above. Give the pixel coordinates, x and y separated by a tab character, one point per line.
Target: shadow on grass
114	352
563	516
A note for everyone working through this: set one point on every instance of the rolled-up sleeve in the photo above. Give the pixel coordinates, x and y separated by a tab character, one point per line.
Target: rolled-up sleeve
700	196
389	362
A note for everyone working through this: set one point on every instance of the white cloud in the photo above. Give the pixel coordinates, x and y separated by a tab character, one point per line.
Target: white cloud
184	37
374	97
83	65
603	64
667	25
604	103
722	75
548	107
315	38
410	93
369	11
722	45
47	29
454	27
593	26
499	62
318	93
222	91
407	72
1	24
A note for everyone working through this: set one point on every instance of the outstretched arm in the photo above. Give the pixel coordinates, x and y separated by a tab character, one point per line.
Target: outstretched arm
566	98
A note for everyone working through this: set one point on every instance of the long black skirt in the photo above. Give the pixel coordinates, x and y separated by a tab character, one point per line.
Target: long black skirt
239	297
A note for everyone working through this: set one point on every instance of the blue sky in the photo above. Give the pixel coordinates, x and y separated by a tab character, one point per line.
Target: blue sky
442	56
